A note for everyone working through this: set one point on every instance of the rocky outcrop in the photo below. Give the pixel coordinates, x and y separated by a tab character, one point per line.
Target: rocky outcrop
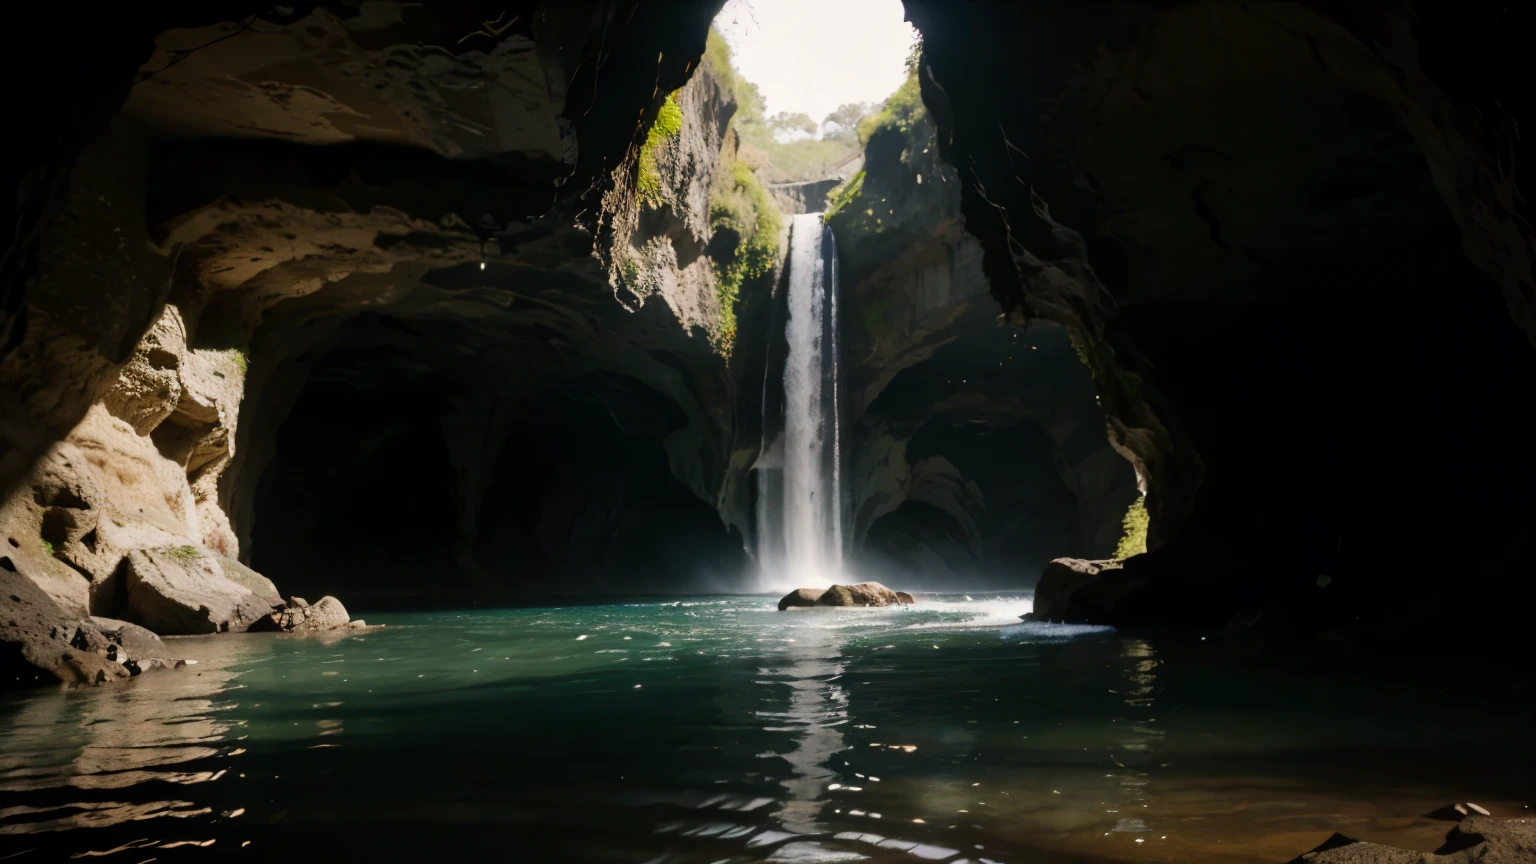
977	447
1206	196
1075	591
302	617
859	594
179	592
1476	840
862	594
242	258
41	642
801	598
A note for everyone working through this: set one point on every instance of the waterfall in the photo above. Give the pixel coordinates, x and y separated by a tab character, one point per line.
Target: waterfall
800	496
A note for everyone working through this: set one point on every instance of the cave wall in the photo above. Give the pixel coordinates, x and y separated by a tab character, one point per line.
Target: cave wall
977	449
1291	240
298	184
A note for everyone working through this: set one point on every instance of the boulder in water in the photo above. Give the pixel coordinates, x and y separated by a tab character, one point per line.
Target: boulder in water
327	613
861	594
904	598
801	598
1075	591
175	593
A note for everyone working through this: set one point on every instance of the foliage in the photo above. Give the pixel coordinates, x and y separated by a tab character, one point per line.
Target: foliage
845	194
843	123
900	111
914	55
241	365
739	203
669	122
800	159
47	547
1135	524
184	552
785	124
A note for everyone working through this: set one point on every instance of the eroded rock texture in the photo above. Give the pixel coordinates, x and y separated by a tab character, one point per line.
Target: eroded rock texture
1290	239
978	451
364	248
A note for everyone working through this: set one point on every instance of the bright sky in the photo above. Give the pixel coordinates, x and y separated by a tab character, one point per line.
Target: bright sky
814	55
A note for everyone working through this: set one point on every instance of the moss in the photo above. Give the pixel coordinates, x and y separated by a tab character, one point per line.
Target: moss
238	357
1135	525
845	194
669	123
901	110
184	552
1082	356
739	203
48	547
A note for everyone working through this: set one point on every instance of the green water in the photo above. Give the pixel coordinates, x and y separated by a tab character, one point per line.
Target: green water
719	730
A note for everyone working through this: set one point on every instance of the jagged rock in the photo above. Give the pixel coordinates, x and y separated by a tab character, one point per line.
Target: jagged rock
135	640
327	613
861	594
1476	840
244	576
35	639
178	595
801	598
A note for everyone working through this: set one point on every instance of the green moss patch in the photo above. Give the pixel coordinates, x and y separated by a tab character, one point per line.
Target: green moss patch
668	125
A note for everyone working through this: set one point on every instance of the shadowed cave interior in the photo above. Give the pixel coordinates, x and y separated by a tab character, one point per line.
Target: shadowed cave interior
1178	377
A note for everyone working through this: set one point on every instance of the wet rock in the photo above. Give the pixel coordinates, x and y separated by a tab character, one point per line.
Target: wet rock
179	594
1075	591
904	598
327	613
1475	840
35	637
861	594
801	598
135	640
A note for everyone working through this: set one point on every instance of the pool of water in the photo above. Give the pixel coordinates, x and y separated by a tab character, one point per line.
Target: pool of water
717	729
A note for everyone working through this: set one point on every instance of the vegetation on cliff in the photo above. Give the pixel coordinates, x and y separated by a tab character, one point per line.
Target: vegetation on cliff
745	224
774	159
1135	524
669	123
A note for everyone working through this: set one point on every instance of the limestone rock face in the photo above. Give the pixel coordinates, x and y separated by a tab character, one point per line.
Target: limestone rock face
976	448
801	598
138	642
40	642
860	594
177	594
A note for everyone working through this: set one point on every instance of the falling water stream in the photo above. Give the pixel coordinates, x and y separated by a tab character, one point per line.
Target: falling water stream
800	511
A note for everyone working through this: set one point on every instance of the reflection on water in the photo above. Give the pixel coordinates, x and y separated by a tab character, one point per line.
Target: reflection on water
718	730
818	709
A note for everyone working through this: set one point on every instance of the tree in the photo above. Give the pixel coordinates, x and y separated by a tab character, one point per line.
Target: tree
786	125
843	122
915	55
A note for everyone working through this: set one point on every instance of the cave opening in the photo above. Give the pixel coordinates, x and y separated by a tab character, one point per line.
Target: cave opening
391	395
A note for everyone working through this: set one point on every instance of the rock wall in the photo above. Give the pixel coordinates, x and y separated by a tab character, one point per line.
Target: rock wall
1290	242
281	208
978	451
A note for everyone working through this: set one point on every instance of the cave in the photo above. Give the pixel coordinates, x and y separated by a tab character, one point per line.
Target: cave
449	494
429	424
